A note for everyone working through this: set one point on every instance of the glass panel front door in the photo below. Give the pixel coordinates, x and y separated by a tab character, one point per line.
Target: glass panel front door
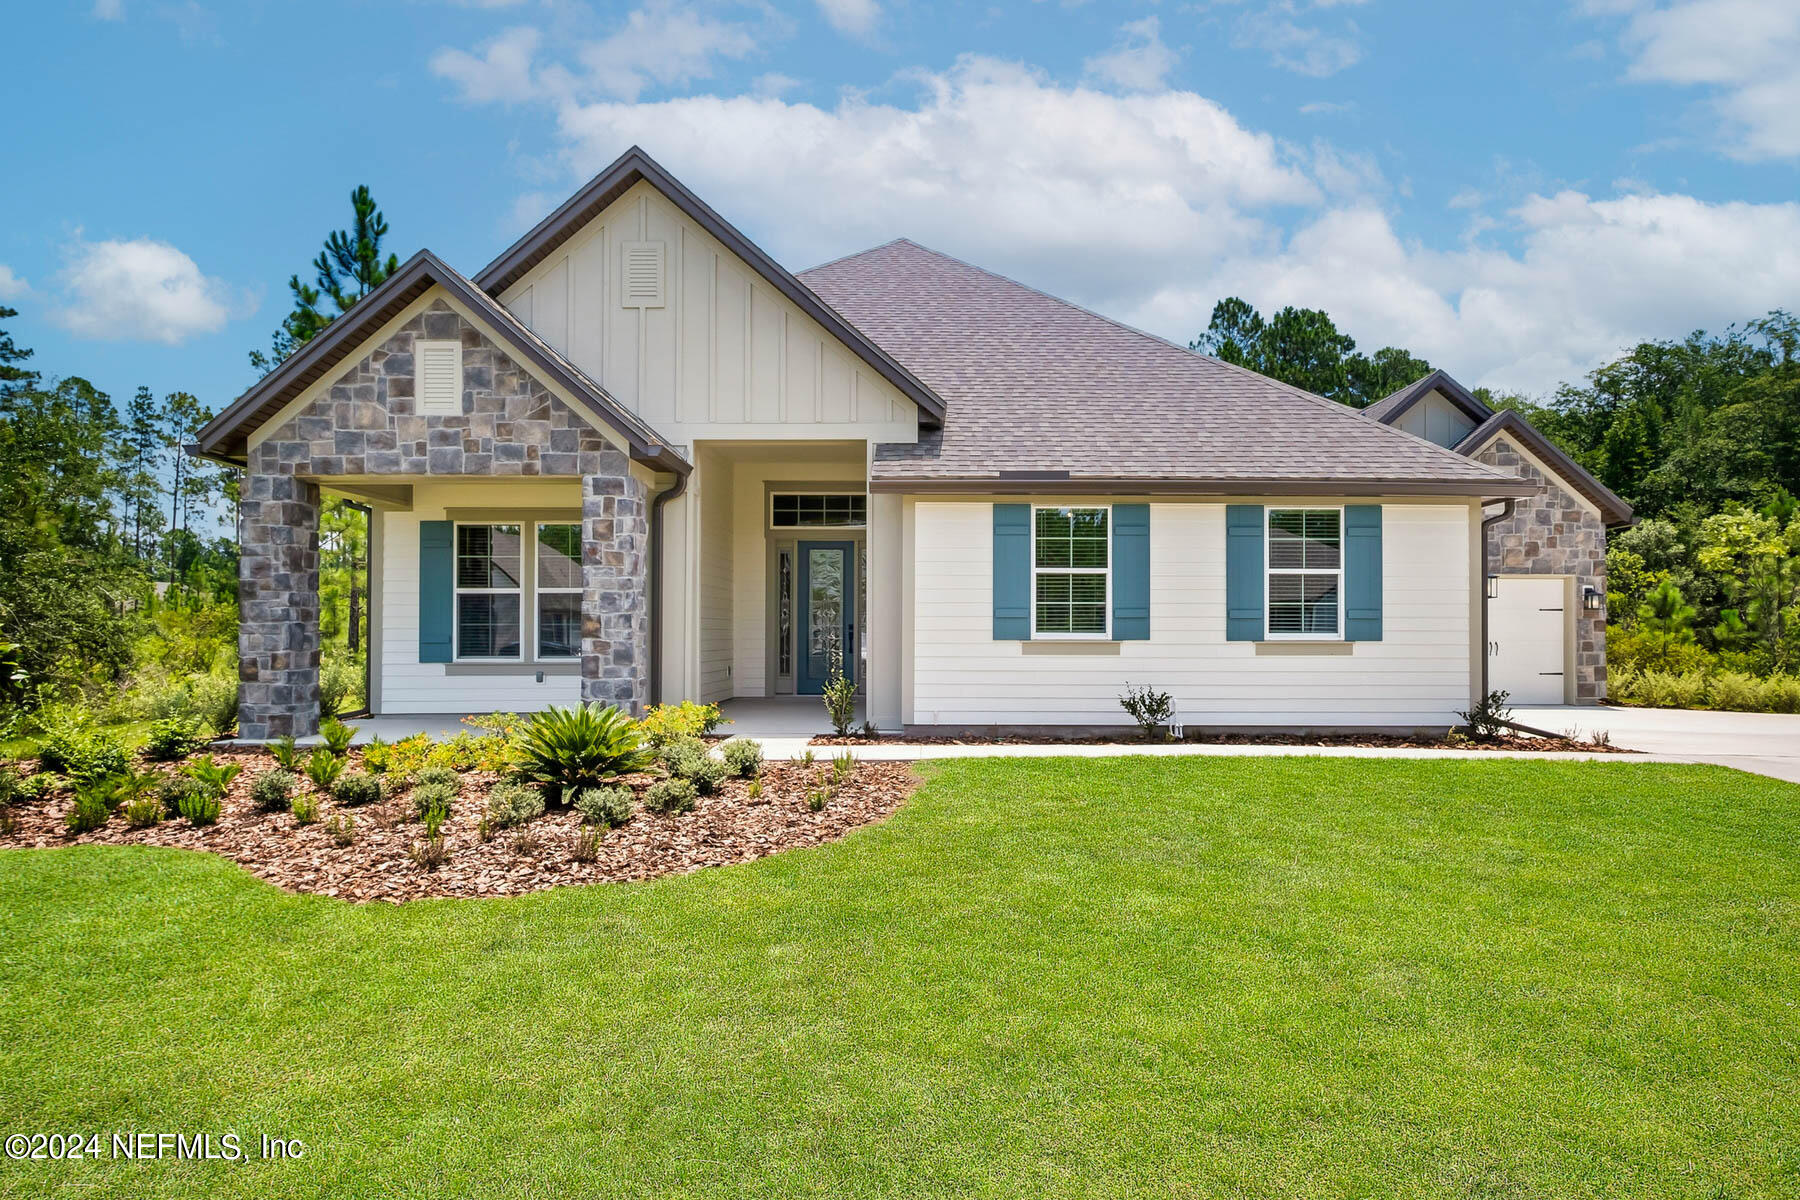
827	613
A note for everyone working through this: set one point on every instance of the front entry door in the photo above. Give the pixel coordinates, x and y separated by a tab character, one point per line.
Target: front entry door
827	613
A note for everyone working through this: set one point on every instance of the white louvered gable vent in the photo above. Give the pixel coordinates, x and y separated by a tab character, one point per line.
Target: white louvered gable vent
439	380
641	275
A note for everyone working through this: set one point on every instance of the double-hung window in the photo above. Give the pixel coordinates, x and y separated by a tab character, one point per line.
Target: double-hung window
558	590
1071	572
1306	572
489	592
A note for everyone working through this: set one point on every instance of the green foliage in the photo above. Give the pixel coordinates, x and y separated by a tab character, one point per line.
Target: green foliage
177	788
671	796
703	771
606	807
337	735
1733	691
435	775
843	766
584	846
567	749
200	808
340	684
172	739
1665	625
356	787
71	744
41	785
744	756
816	799
143	812
305	808
430	797
1149	708
323	767
342	829
666	723
285	753
511	804
1489	718
1303	347
89	813
271	791
839	695
216	776
429	853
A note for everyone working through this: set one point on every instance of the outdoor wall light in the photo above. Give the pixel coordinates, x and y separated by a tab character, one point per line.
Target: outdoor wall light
1493	591
1591	599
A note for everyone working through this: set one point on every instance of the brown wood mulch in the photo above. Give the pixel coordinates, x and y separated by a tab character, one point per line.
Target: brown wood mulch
1511	741
726	827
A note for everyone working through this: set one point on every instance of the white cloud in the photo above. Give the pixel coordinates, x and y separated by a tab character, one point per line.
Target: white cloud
501	73
109	10
773	83
12	287
1138	60
1304	49
1744	51
141	290
1318	108
856	18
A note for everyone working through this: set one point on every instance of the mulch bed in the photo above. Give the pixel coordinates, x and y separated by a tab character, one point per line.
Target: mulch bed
726	827
1511	741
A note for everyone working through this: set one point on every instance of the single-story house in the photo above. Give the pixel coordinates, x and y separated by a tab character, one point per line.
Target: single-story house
635	460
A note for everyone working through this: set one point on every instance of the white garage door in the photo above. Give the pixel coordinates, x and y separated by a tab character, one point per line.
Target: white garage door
1525	639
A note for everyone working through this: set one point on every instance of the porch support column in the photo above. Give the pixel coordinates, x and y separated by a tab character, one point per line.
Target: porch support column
615	602
278	601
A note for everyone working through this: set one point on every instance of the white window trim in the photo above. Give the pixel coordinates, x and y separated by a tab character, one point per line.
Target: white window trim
1269	633
801	529
419	347
538	590
1106	634
527	567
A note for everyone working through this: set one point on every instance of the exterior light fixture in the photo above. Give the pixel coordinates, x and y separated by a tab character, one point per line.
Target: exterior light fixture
1493	587
1591	599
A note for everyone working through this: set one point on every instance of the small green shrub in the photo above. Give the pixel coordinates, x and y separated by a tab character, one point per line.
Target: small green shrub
754	791
356	787
71	745
176	788
200	808
342	828
305	809
1489	717
144	812
429	854
1151	709
666	723
90	812
433	821
214	700
217	776
437	775
843	766
41	786
839	695
1736	692
702	770
337	735
173	738
671	796
1781	693
606	807
340	681
816	798
272	790
428	798
323	768
285	753
744	756
567	749
525	841
584	847
511	804
676	751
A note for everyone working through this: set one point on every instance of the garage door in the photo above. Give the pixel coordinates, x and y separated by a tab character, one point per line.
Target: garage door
1525	639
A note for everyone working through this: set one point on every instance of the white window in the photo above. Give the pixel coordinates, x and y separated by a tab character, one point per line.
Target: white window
558	590
1071	577
1306	573
438	377
489	595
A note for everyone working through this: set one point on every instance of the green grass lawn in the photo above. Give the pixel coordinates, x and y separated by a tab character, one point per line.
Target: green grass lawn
1137	977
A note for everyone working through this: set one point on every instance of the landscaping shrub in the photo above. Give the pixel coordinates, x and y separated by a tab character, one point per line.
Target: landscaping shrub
1736	691
337	735
90	812
816	798
41	786
428	798
1149	708
839	695
213	699
429	854
672	753
217	776
1781	693
525	841
671	796
173	738
144	812
843	766
754	791
606	807
342	828
71	745
438	775
200	808
565	750
434	819
285	753
340	680
305	809
177	788
744	756
511	804
323	768
665	723
703	771
356	787
271	791
1489	716
584	847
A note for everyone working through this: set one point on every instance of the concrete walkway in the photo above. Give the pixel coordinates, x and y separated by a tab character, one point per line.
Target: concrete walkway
1763	743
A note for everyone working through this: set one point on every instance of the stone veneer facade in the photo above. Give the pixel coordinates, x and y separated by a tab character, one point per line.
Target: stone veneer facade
1553	534
364	425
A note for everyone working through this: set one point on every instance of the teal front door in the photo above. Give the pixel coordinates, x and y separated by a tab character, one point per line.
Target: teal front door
827	613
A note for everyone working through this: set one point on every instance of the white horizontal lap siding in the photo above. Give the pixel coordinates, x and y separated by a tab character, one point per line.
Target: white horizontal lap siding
1418	673
410	686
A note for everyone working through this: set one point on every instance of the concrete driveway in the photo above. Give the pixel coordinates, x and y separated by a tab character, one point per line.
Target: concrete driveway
1766	743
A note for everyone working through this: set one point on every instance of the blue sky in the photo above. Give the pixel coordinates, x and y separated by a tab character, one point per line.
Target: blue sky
1514	190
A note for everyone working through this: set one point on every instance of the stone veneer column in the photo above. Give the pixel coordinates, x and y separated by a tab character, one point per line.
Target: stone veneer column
615	603
278	602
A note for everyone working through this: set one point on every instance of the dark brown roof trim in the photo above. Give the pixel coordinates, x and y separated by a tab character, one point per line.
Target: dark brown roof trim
1613	509
627	170
1090	486
1390	409
227	435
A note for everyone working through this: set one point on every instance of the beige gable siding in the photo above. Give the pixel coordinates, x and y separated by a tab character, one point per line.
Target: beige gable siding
1436	420
1418	675
725	355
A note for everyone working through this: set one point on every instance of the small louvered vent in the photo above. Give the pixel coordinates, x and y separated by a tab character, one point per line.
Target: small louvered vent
641	274
439	379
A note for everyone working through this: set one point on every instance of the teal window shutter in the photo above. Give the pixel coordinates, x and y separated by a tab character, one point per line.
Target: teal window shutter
1245	572
1012	572
1131	572
1362	572
437	590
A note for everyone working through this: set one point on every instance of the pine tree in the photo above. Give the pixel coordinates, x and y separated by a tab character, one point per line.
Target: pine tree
347	269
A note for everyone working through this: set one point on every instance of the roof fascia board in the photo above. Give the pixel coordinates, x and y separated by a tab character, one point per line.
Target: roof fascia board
1550	458
988	486
634	165
1438	381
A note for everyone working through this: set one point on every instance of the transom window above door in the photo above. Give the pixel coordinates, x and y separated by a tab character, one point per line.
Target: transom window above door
818	510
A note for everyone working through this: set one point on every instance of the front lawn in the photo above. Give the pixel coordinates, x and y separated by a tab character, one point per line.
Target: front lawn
1130	977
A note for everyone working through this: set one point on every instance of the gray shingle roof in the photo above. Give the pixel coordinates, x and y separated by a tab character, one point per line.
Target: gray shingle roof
1034	384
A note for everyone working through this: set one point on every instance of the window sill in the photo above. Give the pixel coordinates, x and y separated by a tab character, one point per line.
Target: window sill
1303	647
559	667
1069	645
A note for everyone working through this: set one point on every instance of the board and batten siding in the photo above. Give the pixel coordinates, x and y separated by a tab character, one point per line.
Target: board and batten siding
724	355
410	686
1417	675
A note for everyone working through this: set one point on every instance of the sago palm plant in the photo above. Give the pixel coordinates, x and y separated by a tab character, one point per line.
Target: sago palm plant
564	750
